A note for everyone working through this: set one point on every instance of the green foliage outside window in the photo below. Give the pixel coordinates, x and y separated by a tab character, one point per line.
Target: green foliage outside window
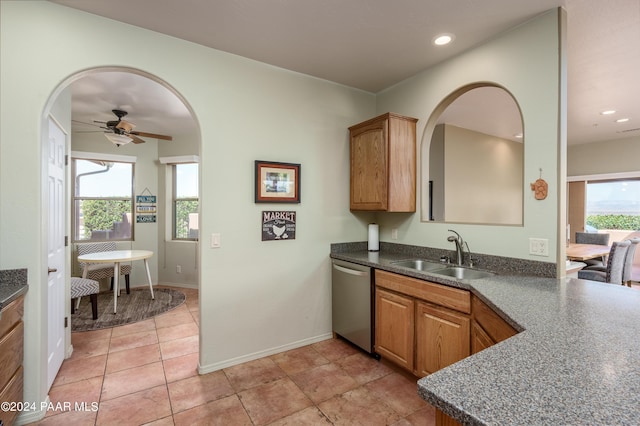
183	209
101	214
614	221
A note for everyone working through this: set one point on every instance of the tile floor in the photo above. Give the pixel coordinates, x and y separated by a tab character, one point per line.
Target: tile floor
146	373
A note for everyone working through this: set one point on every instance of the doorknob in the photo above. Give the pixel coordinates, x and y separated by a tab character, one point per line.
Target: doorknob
51	270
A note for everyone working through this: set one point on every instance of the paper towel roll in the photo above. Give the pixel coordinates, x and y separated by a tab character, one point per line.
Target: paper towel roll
374	242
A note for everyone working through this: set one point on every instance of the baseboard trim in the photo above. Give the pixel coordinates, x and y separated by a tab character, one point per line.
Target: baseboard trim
27	417
210	368
168	284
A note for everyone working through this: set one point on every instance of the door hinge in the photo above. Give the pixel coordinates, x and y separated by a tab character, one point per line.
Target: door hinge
66	159
66	322
66	241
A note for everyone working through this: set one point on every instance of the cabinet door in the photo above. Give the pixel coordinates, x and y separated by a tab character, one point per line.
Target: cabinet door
442	338
495	327
444	420
369	180
480	340
394	328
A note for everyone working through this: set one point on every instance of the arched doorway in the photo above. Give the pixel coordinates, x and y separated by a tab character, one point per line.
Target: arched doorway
82	107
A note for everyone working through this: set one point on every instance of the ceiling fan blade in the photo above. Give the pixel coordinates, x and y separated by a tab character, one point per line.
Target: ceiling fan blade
153	135
85	123
136	139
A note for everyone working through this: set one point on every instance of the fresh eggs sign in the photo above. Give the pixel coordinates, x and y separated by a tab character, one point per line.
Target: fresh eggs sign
278	225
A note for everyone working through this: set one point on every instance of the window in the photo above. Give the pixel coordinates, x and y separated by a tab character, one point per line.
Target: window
613	205
185	201
102	199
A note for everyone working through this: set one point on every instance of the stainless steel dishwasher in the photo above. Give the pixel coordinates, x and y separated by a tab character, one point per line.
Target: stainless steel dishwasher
352	303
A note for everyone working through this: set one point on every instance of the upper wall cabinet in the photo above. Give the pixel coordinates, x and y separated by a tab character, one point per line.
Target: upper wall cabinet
383	164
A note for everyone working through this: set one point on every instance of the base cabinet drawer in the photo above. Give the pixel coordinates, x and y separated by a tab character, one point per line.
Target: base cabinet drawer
11	352
11	356
12	392
11	314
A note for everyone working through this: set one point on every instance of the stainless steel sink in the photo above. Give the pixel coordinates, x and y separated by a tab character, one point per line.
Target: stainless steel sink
418	264
460	273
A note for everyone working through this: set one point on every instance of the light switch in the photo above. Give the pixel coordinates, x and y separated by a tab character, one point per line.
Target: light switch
215	240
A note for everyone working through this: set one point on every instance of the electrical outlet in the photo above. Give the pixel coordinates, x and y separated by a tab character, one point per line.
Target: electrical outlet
394	233
178	269
539	246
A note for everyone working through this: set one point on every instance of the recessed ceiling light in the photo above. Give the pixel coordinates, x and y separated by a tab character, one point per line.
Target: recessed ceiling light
622	120
608	112
442	39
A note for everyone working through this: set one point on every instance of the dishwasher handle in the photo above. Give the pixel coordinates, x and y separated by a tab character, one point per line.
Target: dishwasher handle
350	271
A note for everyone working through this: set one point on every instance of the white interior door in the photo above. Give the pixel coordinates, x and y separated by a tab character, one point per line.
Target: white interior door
56	250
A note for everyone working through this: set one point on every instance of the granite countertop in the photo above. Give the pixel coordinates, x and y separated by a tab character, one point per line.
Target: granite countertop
576	360
13	284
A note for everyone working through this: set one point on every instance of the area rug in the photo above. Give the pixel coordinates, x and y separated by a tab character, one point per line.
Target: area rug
133	307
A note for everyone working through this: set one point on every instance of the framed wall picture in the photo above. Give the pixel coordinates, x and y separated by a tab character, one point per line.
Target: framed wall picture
277	182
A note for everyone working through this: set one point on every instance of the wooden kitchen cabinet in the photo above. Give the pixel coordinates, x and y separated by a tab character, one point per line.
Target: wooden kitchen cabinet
383	164
488	327
421	326
11	355
394	324
424	326
480	340
442	338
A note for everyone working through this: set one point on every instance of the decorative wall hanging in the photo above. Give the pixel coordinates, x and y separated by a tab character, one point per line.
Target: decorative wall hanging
146	207
540	188
277	182
278	225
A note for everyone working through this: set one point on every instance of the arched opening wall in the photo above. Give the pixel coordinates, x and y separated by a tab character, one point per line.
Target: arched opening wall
256	297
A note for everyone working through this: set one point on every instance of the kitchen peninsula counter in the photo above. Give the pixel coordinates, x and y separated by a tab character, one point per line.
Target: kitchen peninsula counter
576	360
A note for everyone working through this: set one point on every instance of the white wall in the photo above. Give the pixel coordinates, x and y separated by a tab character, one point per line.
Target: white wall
614	156
256	297
483	178
528	61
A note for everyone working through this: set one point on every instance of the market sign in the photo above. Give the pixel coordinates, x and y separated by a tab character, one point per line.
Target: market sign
278	225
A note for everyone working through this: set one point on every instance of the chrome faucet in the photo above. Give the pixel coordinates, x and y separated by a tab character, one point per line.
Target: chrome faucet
459	247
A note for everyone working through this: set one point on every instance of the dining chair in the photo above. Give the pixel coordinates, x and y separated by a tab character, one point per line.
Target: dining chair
615	265
98	271
628	261
593	238
85	287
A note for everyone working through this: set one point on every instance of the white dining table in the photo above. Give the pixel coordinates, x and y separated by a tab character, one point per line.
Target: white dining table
117	257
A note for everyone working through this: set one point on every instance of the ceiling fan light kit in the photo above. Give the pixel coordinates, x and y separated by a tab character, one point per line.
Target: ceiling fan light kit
118	140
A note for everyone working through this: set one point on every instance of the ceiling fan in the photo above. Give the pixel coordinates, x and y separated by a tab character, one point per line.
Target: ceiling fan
121	132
